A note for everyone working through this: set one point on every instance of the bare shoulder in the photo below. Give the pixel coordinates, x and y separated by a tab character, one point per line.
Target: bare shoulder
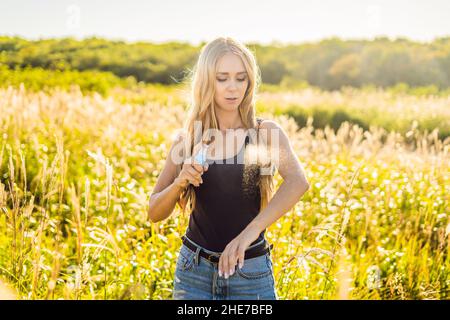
286	160
270	129
269	124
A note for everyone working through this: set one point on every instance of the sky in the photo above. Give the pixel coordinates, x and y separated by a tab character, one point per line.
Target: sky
263	21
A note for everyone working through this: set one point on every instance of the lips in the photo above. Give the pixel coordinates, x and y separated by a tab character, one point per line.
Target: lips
231	99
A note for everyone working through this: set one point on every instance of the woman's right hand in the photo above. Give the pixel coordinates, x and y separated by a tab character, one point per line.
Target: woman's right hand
191	173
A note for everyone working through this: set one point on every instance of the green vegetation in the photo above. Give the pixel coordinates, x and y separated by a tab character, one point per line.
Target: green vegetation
37	79
328	64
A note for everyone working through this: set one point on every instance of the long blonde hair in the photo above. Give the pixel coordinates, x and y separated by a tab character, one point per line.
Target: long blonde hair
202	89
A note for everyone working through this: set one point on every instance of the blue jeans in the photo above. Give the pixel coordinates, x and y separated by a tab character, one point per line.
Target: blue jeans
197	278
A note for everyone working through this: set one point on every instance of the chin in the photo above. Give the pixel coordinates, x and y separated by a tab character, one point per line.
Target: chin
230	108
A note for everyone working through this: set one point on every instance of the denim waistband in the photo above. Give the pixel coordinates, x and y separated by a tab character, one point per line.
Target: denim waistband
215	252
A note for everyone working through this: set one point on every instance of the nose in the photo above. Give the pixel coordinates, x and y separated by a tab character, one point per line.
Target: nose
232	86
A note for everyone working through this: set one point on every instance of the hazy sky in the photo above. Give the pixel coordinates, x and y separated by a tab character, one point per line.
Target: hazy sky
263	21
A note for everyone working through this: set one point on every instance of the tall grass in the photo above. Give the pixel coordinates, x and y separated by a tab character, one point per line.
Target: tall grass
76	171
369	107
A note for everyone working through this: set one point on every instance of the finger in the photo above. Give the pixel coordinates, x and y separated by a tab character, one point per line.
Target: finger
198	167
241	257
220	264
194	174
232	261
223	267
192	179
226	269
206	166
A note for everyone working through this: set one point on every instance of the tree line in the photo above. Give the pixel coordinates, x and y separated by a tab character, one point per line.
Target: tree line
329	64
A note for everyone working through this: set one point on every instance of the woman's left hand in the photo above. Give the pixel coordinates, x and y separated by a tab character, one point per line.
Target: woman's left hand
234	252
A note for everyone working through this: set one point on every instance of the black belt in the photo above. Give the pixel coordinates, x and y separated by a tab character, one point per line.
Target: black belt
253	252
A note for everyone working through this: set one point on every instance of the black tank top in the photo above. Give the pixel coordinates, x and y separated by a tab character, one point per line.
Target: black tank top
226	202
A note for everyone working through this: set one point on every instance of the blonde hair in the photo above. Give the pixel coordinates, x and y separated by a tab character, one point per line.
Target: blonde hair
202	89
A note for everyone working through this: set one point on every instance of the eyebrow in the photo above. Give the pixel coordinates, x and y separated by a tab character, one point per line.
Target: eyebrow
227	72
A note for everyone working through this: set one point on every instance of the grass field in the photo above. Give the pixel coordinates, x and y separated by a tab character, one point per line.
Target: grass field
76	170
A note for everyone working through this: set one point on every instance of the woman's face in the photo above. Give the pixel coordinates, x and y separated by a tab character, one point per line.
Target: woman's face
231	82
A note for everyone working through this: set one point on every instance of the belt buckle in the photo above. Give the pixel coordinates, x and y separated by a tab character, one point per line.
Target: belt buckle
211	258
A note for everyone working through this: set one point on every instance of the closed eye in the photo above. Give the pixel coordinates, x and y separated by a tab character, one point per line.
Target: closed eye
222	80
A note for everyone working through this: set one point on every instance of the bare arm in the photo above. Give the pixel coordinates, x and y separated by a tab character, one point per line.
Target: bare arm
172	181
167	190
162	203
292	188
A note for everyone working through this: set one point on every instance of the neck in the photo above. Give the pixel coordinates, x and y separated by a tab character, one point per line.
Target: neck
229	120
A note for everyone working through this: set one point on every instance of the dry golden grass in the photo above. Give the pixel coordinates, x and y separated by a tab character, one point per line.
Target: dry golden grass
76	171
384	109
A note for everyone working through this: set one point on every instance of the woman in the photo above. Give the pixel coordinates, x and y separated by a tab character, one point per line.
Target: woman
228	188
